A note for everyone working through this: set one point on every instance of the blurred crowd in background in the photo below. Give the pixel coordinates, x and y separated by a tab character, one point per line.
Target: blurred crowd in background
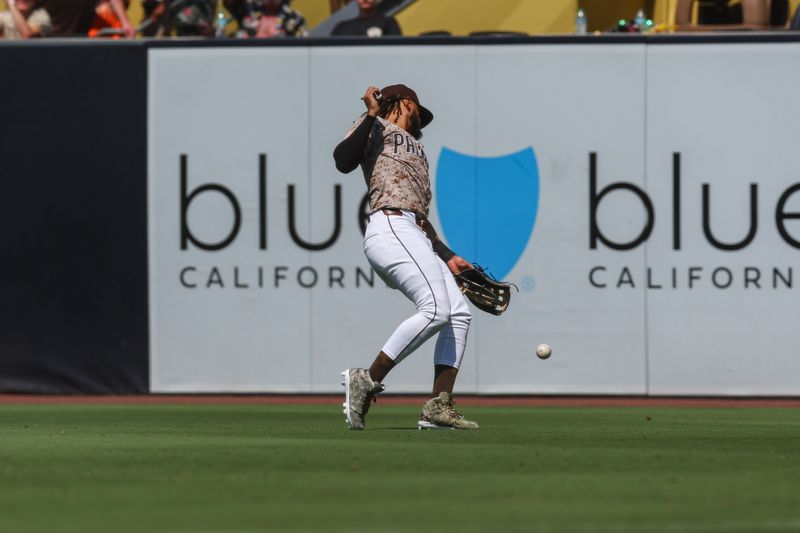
23	19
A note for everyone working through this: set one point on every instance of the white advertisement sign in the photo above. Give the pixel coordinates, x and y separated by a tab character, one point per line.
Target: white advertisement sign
640	197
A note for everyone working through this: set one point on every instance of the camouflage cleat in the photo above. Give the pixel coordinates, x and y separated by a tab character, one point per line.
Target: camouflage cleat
360	390
440	413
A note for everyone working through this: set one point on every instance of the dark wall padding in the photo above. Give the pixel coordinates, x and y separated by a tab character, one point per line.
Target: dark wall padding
73	177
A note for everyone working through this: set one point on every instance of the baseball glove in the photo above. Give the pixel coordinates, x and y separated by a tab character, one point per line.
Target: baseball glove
485	292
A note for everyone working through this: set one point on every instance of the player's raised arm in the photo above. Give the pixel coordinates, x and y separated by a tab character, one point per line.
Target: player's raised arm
349	152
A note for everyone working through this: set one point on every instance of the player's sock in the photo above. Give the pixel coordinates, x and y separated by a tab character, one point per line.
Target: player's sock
381	367
444	379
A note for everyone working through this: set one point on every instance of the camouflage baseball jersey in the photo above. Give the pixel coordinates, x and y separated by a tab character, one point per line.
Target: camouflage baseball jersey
395	168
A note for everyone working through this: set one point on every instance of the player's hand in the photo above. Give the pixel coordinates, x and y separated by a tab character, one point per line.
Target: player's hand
458	264
373	107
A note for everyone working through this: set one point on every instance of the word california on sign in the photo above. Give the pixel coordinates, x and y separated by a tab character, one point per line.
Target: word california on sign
721	277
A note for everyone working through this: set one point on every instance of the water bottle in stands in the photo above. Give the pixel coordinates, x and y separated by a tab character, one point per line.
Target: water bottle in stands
581	24
640	21
219	26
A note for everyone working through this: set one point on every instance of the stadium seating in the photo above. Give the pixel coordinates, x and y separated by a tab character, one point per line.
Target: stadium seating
755	16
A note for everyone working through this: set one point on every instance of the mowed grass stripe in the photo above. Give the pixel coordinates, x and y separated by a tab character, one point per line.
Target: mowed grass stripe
237	468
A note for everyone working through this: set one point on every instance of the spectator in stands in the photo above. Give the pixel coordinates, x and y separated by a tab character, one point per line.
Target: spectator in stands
266	18
111	15
794	24
24	19
191	18
155	15
369	23
77	17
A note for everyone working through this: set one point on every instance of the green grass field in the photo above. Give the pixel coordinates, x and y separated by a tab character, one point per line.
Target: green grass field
236	468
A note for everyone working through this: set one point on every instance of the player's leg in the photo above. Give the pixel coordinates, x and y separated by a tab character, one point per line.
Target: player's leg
452	339
401	255
381	366
439	412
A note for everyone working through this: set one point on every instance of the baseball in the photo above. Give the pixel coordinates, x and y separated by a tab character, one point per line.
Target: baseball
543	351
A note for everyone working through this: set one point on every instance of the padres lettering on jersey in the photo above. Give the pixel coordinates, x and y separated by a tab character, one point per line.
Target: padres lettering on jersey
395	168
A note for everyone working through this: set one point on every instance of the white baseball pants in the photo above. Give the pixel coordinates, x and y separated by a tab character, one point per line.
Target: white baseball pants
402	256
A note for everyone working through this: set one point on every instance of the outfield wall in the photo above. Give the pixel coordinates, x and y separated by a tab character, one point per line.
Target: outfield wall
640	193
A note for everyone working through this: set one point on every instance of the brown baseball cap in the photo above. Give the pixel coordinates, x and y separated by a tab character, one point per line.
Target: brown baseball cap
425	116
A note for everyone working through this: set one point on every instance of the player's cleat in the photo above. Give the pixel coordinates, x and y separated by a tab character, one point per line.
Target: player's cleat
440	413
359	393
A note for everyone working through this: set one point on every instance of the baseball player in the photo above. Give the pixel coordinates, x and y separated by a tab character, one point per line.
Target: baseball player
405	251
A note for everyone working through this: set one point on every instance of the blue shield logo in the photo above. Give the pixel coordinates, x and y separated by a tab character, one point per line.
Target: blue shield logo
488	205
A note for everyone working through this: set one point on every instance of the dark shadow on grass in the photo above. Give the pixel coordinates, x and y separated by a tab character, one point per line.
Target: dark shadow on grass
394	429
